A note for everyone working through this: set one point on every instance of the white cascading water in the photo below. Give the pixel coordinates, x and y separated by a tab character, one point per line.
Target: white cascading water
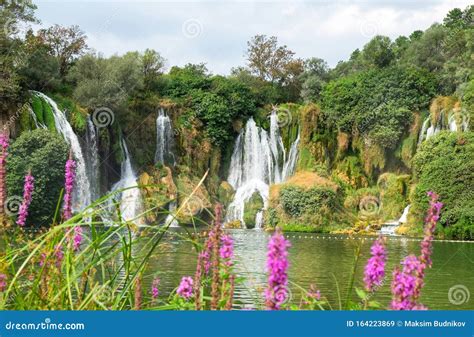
428	129
81	194
164	139
130	198
92	155
171	219
258	160
389	228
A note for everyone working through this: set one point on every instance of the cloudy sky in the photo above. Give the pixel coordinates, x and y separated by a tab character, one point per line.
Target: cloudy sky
216	32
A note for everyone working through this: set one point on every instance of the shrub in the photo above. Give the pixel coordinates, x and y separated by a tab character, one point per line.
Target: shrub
445	164
44	153
297	201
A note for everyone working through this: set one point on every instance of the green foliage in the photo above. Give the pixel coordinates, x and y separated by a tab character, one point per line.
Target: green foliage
43	112
296	201
45	154
107	82
251	208
180	81
225	101
444	164
377	103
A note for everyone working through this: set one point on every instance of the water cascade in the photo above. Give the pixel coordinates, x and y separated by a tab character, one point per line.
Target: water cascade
450	123
92	155
82	192
259	159
389	228
131	204
171	219
164	139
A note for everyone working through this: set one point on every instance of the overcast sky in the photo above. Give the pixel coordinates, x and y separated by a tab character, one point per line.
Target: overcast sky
216	32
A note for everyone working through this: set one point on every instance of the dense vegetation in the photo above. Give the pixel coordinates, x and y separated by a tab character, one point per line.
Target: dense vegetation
359	122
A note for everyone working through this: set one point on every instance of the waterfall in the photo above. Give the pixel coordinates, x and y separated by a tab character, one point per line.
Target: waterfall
403	217
92	155
429	129
82	192
164	139
290	165
389	228
170	219
258	160
130	198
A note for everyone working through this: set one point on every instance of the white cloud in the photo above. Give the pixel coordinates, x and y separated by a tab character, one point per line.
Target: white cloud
330	30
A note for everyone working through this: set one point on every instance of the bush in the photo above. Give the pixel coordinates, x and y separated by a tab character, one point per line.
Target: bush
45	154
445	165
297	201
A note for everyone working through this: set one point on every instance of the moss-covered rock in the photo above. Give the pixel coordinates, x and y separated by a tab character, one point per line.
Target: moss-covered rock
305	199
194	201
251	208
158	189
225	193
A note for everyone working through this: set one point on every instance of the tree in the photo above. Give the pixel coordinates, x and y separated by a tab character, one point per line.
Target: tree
153	66
12	14
40	70
106	82
44	153
66	44
268	60
378	52
315	75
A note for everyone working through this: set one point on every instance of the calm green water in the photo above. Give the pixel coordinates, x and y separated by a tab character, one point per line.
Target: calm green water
316	258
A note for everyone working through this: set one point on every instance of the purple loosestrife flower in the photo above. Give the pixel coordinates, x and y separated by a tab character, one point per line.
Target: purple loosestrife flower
4	141
77	237
430	226
42	259
314	293
28	189
3	169
154	288
3	282
226	251
407	283
375	268
68	188
59	254
185	289
277	265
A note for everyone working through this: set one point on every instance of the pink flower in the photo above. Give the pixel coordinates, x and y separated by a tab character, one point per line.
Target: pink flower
3	282
59	254
226	251
408	282
154	288
4	141
77	237
277	266
28	189
375	269
68	187
185	289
